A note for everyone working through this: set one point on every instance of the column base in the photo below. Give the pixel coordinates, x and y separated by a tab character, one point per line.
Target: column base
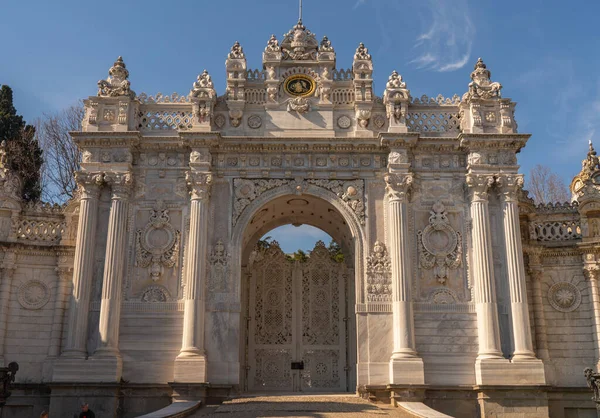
500	372
190	369
94	370
407	371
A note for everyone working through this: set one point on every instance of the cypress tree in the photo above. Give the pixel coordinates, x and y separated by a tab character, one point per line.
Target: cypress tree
23	150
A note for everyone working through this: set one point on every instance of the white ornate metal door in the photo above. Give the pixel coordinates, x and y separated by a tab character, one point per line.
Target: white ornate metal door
297	326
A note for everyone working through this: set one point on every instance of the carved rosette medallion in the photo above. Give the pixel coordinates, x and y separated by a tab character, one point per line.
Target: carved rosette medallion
379	275
564	296
344	122
157	243
33	295
254	121
440	246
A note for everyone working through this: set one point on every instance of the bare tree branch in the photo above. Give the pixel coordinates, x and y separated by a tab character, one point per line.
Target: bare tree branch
546	186
61	155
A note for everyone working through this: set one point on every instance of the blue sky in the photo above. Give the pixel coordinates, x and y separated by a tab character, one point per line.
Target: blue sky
545	53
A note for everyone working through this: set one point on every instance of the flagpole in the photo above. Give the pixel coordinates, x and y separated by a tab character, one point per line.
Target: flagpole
300	18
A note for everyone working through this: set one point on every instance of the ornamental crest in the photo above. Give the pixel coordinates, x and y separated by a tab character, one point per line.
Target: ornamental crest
299	85
299	44
379	273
440	246
157	243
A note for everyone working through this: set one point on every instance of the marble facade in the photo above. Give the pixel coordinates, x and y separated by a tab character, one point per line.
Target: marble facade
456	290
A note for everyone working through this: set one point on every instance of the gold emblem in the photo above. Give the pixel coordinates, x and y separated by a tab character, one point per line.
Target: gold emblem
300	85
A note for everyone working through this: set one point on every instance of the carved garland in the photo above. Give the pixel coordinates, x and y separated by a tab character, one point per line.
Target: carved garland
440	246
351	192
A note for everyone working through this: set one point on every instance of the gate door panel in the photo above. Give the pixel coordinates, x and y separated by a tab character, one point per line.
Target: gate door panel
297	331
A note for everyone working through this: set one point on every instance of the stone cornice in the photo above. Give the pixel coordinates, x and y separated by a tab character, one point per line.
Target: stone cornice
493	141
393	139
106	139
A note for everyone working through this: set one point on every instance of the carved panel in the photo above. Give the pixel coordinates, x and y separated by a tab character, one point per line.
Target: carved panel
379	275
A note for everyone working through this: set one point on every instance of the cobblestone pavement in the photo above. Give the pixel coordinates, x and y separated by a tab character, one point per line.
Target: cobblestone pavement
300	406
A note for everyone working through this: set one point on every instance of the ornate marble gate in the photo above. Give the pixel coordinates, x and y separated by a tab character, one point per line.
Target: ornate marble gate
297	336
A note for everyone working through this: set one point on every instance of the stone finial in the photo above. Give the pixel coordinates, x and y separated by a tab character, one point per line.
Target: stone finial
237	52
588	176
299	44
117	83
325	45
362	53
395	81
203	86
273	45
481	85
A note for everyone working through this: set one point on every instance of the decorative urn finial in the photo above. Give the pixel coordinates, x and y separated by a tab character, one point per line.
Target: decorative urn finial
203	87
481	85
117	83
362	53
237	52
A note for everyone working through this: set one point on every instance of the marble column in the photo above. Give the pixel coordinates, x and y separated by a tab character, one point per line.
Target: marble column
7	271
77	322
483	269
65	276
112	283
591	272
521	328
190	365
541	337
405	366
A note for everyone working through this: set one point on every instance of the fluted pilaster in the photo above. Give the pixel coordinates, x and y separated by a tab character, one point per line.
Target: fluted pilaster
6	276
110	307
90	184
65	280
483	271
509	186
591	272
190	365
541	336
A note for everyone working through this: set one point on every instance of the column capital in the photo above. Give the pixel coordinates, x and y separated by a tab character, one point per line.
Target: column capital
508	186
89	183
536	273
591	272
199	184
479	186
121	184
397	185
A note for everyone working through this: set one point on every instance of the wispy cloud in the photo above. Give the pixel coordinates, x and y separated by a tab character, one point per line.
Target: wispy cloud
446	43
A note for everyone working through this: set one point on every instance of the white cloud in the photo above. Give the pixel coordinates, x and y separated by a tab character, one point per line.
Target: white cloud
446	43
304	237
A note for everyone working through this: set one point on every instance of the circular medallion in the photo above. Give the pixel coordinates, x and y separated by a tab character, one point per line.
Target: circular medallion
564	296
33	294
299	85
254	121
344	122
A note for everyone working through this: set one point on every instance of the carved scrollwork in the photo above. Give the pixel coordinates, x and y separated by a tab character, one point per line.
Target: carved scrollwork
379	275
218	280
199	184
509	186
440	246
121	183
117	83
155	294
298	104
157	243
479	186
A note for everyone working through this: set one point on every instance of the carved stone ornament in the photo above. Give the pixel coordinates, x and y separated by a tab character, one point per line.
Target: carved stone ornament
254	121
218	279
235	117
237	52
157	243
397	186
220	121
155	294
363	117
379	275
379	121
442	296
350	192
199	184
203	87
362	53
33	295
117	83
481	86
272	45
564	297
440	246
325	45
298	104
299	44
344	122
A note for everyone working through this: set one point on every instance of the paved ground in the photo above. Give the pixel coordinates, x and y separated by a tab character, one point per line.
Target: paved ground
300	406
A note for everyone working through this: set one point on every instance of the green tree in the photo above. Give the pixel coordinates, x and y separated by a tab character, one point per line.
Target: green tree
336	252
23	150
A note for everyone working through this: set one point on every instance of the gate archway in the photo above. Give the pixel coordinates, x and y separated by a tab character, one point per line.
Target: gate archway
329	364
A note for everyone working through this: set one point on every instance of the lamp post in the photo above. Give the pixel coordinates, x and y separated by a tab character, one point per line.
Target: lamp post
7	376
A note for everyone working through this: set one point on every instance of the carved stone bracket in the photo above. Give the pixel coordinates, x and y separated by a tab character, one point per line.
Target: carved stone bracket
379	275
440	246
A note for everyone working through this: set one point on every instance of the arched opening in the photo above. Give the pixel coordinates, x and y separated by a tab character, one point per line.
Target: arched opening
298	323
